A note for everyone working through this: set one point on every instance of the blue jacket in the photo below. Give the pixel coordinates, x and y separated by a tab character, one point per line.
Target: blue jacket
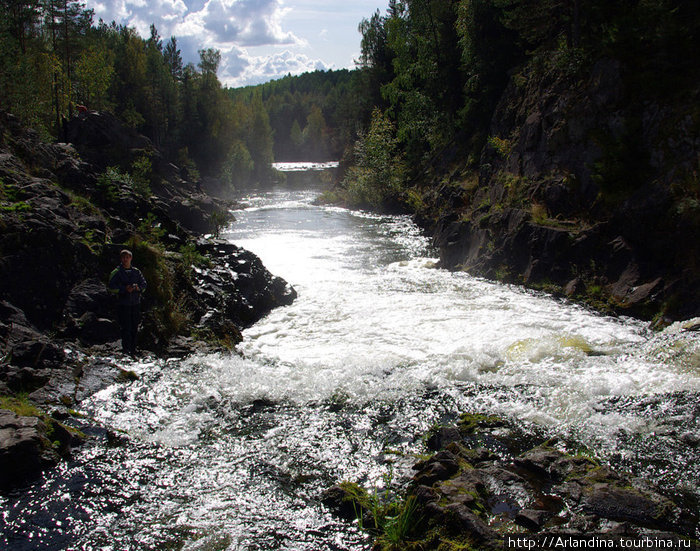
120	278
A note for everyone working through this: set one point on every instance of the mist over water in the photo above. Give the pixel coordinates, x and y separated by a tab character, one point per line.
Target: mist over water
233	452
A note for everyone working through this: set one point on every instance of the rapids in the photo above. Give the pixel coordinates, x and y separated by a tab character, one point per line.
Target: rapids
232	452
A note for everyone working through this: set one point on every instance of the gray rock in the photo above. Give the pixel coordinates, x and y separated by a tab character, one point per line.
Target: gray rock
23	449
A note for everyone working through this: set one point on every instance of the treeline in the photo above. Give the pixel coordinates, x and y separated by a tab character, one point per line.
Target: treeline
314	116
53	58
435	70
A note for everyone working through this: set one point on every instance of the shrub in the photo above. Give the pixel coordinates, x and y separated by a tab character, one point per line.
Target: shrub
142	171
112	181
379	171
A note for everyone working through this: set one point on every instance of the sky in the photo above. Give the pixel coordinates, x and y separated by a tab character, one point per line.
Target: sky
259	40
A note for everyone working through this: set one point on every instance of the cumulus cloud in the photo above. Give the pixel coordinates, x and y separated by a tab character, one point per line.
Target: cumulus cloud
230	26
216	22
241	69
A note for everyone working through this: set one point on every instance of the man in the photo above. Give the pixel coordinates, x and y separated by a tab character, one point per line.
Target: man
129	283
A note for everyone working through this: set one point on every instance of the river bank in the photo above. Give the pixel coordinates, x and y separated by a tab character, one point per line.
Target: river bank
235	451
67	210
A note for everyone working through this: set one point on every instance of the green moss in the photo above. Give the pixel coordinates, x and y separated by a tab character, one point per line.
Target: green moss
469	423
81	203
20	206
128	375
20	405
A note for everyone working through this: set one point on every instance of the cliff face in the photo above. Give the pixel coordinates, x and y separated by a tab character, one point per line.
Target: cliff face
586	187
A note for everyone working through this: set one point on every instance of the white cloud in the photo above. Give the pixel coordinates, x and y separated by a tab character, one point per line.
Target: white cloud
241	69
237	27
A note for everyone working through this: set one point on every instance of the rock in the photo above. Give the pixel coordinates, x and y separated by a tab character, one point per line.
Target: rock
613	502
25	379
442	437
346	500
440	466
573	287
40	353
531	519
24	451
94	330
691	439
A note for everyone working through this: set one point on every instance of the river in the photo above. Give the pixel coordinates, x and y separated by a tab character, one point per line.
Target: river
232	452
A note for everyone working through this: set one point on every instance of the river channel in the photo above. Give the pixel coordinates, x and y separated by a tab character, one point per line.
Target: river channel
233	452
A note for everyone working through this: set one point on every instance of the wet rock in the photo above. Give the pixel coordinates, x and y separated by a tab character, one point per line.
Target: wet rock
24	379
440	466
470	493
346	500
611	501
39	353
532	519
443	436
691	439
24	450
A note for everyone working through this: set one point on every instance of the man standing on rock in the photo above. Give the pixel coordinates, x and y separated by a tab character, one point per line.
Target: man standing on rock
128	282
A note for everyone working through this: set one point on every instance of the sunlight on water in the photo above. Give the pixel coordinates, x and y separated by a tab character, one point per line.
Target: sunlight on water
232	452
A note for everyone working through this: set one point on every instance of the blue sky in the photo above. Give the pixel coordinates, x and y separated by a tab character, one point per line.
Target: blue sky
259	40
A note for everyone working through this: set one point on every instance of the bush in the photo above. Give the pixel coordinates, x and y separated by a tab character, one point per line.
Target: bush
379	171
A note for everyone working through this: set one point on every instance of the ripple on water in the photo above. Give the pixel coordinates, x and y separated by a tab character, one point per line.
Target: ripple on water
231	452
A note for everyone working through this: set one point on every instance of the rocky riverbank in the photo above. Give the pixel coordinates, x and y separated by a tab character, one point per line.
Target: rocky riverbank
65	212
487	479
585	187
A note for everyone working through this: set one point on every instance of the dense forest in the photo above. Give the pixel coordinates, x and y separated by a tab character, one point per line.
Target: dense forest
554	143
53	59
437	69
314	116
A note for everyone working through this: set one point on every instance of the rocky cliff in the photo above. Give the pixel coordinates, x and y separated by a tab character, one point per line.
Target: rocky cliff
587	187
65	212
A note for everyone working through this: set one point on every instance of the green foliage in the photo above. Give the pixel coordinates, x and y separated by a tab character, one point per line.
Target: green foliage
163	317
150	229
82	204
94	71
501	145
378	172
218	221
398	528
238	167
393	520
142	171
192	258
112	182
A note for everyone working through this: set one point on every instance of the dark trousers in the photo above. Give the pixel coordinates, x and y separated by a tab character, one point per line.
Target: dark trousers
129	317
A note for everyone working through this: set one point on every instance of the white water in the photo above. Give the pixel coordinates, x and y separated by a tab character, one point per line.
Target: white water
228	452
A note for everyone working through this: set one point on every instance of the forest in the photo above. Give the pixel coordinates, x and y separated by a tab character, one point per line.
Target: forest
430	77
54	57
436	71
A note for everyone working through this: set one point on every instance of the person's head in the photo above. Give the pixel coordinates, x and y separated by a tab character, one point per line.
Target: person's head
125	256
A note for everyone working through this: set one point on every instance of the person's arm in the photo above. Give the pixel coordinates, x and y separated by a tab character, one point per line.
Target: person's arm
142	281
116	285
